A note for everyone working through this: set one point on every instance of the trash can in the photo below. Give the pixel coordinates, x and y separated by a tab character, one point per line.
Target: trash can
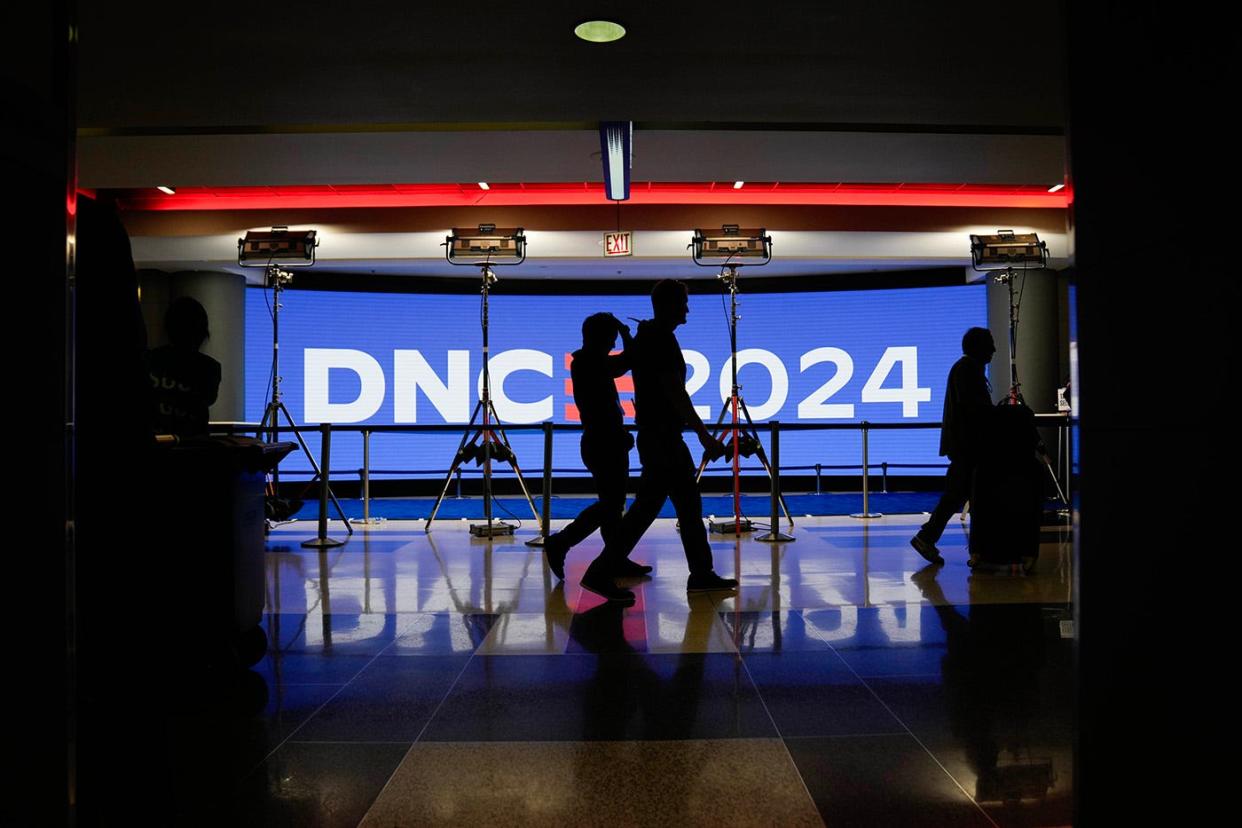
210	518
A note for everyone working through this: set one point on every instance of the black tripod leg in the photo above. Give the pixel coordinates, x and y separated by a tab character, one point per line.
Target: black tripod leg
448	478
763	459
724	409
1055	482
267	432
513	463
318	471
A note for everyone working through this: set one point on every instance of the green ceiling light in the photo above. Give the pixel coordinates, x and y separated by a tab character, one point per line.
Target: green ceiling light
599	31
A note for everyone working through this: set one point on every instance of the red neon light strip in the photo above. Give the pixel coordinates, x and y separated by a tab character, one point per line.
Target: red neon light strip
579	194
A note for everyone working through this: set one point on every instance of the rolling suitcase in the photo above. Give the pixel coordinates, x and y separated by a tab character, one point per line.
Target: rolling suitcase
1007	489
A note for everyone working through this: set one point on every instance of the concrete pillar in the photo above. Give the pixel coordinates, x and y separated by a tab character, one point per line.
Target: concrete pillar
1038	345
223	296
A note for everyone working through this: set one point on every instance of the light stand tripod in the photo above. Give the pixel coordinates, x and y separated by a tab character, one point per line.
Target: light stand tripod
297	250
1000	253
745	438
1006	277
488	440
731	242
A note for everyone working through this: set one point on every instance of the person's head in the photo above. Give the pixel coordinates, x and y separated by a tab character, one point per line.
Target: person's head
670	301
185	322
978	344
599	332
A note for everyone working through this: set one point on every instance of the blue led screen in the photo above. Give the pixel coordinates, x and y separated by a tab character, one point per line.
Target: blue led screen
831	357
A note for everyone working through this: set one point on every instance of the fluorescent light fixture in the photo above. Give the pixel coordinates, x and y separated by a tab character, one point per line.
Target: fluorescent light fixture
599	31
167	190
483	185
616	141
1056	188
737	185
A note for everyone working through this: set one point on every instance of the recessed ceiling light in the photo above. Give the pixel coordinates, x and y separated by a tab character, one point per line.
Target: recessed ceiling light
483	185
1056	188
599	31
737	185
167	190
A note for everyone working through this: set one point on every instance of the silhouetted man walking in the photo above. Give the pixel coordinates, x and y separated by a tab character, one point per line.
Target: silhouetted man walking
963	429
663	410
605	443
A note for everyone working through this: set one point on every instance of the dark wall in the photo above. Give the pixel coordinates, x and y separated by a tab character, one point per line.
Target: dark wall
36	149
1157	437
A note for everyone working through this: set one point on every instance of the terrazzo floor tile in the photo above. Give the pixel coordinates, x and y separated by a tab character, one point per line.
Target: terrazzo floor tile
881	780
391	699
685	783
592	697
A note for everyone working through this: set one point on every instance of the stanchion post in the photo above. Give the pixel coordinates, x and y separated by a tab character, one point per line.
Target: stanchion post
884	478
774	535
866	480
818	469
321	540
366	475
459	483
545	521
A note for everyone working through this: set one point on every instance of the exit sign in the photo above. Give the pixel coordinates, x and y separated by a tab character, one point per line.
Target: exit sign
620	243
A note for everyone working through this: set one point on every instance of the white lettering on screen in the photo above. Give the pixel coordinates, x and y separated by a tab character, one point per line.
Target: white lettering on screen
412	373
449	394
318	364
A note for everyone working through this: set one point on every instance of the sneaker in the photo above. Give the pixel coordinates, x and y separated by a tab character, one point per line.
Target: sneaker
630	569
927	549
555	549
604	587
702	581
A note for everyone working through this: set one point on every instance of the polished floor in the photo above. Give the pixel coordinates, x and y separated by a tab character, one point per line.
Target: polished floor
439	679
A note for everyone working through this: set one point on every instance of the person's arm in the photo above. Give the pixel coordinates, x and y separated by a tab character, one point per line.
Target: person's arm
674	388
618	364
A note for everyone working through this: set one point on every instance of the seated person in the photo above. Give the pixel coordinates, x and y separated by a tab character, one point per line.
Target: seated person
184	382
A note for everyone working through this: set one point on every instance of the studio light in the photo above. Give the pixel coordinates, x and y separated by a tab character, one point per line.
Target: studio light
279	246
486	244
484	247
1007	250
1009	255
729	244
732	248
616	146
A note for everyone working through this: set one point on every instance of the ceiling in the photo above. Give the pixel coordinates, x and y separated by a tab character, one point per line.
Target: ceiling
331	95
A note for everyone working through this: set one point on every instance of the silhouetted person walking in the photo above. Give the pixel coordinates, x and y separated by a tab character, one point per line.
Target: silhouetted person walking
963	432
605	443
184	382
663	410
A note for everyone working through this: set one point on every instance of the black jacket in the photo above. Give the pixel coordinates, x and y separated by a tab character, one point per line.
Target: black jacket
967	407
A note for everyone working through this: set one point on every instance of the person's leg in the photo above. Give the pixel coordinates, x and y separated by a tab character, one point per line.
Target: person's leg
647	504
683	490
956	492
612	477
611	473
643	511
557	545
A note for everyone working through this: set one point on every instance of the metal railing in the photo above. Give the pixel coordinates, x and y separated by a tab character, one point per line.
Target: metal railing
1062	422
